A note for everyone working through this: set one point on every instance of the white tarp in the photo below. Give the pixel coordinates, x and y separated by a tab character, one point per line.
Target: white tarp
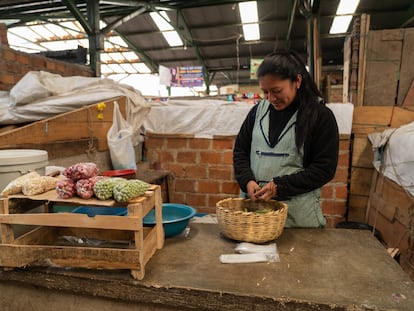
205	118
40	95
394	154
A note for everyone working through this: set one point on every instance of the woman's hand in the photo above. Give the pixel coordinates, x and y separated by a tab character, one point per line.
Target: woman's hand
266	193
252	188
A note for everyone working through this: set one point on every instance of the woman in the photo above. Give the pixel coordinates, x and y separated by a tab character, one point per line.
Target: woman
287	147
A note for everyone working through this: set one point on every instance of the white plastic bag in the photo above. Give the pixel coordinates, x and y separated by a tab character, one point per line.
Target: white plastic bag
120	145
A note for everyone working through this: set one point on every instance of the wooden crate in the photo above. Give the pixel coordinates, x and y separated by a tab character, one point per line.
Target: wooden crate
125	242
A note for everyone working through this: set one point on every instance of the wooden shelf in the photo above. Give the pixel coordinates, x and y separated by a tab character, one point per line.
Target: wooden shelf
120	242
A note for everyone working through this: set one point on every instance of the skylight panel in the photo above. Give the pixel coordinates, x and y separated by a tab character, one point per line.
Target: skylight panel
172	38
116	68
60	45
162	20
71	28
250	20
251	32
57	31
347	7
42	31
343	16
130	56
128	68
340	24
141	67
26	33
118	57
116	40
105	57
248	12
105	69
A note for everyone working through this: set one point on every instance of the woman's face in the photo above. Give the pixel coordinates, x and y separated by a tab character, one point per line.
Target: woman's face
280	93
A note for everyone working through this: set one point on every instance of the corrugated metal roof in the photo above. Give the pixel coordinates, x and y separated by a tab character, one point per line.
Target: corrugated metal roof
211	30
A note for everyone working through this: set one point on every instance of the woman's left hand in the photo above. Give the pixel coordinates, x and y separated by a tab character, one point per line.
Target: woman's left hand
267	192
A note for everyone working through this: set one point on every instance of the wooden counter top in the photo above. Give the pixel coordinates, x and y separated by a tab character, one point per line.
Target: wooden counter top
319	269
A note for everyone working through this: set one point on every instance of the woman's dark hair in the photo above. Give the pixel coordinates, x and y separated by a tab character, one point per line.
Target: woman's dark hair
287	65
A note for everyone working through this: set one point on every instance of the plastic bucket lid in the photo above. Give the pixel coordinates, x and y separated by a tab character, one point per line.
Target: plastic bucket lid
22	156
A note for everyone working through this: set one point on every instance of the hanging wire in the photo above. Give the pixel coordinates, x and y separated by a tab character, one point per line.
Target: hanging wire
238	57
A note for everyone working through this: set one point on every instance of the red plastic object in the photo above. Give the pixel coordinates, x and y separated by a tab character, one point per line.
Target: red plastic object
128	173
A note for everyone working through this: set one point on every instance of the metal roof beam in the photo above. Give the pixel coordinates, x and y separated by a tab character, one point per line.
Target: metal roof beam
118	22
409	17
142	54
197	50
78	15
291	18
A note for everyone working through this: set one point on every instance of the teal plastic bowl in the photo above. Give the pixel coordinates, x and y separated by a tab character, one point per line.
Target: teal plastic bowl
175	218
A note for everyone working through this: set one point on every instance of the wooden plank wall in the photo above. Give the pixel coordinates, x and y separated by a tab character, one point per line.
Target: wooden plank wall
368	120
79	125
389	66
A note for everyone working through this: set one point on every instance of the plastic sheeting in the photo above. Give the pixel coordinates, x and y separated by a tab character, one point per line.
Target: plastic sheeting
394	155
41	95
206	118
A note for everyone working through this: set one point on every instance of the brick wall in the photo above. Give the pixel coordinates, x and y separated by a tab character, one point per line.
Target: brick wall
14	64
202	172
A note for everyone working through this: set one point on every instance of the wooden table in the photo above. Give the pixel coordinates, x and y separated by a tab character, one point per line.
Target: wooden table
319	269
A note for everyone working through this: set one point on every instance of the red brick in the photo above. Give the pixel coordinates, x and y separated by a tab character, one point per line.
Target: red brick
341	192
177	143
22	58
228	157
39	62
207	157
50	65
196	171
344	145
177	197
341	175
165	156
7	78
185	185
208	186
343	160
61	67
178	170
220	172
337	208
230	187
8	55
327	191
199	143
155	142
223	144
187	157
196	200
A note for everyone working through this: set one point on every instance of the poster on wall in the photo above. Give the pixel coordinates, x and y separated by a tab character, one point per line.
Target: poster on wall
187	76
181	76
254	64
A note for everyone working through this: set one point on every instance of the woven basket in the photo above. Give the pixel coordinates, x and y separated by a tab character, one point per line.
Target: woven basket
238	224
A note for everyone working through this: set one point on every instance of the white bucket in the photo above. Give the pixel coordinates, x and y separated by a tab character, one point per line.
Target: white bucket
17	162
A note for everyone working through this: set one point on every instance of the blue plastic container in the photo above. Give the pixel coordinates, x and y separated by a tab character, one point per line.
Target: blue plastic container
92	211
175	218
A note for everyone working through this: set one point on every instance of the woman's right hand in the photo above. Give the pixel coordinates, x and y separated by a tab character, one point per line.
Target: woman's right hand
252	188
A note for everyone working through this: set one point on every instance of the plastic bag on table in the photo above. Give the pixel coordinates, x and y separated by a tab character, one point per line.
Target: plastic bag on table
120	145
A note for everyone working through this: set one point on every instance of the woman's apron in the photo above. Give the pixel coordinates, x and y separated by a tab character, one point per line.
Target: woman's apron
304	210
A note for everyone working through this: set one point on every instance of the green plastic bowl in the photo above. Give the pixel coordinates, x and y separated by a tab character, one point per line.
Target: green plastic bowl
175	218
